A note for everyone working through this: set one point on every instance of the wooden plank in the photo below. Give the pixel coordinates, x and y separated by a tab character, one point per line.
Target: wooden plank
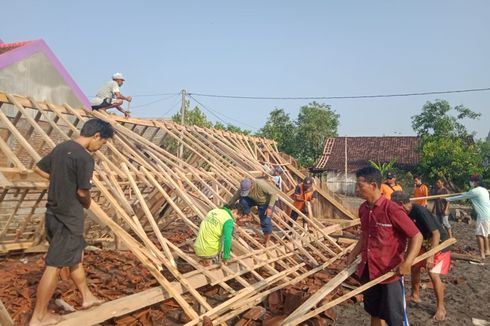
323	291
6	247
366	286
455	255
5	319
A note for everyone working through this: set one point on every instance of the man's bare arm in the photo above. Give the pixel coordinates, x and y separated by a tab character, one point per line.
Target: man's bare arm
414	245
435	239
84	197
122	97
40	172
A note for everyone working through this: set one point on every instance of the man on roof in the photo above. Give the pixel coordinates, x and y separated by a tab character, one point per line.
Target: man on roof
260	193
303	196
109	96
215	234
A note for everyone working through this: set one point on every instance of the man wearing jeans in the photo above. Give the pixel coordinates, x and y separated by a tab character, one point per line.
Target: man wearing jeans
257	192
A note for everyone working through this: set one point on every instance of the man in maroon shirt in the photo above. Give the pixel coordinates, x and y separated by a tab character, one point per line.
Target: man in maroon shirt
385	231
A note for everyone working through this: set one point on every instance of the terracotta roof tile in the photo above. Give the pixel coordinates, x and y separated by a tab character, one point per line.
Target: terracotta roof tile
361	149
5	47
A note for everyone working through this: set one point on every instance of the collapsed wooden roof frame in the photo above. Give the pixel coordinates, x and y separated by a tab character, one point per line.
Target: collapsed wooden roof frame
137	174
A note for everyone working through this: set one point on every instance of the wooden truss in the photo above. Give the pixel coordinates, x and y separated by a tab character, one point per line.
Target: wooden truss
155	173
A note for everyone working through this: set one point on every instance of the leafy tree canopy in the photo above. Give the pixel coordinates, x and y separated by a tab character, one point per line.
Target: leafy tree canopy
436	120
280	128
231	128
193	117
447	148
316	122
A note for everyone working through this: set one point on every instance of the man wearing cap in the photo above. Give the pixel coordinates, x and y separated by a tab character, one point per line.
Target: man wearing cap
109	96
481	202
390	185
257	192
303	194
433	233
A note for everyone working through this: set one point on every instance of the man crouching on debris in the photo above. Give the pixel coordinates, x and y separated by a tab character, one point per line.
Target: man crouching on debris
385	229
215	233
257	192
69	167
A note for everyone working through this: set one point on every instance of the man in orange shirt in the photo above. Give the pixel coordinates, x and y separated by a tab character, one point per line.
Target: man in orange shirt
390	185
303	194
420	190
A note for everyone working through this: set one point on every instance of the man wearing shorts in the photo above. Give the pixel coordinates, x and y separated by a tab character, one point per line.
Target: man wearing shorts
441	207
257	192
109	96
69	167
434	233
481	203
215	234
385	231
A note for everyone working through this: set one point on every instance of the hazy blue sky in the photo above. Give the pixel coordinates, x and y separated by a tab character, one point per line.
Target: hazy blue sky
272	48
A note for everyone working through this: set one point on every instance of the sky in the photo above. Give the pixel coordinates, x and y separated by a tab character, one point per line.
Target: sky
272	49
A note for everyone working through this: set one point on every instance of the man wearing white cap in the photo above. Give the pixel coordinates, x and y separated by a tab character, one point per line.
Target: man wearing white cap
109	96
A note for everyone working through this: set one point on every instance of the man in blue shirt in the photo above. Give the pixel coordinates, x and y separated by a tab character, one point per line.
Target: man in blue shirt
481	202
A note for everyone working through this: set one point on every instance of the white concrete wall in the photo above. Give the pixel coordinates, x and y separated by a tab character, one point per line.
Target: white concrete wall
36	77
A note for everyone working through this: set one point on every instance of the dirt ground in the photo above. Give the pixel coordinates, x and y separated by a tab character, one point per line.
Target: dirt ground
467	291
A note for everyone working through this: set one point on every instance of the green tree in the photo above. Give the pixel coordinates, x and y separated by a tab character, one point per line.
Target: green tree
385	167
484	150
231	128
446	147
193	117
316	122
436	120
280	128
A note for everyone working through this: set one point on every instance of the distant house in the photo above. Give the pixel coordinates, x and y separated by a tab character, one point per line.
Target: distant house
348	154
31	69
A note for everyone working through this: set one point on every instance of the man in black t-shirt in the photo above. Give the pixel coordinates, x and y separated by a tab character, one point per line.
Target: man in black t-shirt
433	233
69	168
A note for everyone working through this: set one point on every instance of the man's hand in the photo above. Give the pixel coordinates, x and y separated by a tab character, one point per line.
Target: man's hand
224	263
404	268
268	212
430	263
126	114
129	98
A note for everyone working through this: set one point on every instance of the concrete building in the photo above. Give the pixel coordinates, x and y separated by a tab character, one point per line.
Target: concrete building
31	69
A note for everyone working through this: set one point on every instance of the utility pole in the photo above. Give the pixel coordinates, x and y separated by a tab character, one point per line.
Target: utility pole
345	166
182	122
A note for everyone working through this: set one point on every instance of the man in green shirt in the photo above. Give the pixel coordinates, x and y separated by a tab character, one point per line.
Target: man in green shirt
257	192
215	233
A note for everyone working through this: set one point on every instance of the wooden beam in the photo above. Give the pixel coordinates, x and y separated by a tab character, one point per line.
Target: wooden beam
366	286
5	319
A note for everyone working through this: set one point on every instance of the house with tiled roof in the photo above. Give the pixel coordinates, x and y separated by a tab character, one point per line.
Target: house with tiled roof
31	69
343	156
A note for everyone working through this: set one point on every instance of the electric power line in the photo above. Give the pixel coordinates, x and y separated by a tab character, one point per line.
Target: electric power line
171	109
155	94
342	97
156	101
215	114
